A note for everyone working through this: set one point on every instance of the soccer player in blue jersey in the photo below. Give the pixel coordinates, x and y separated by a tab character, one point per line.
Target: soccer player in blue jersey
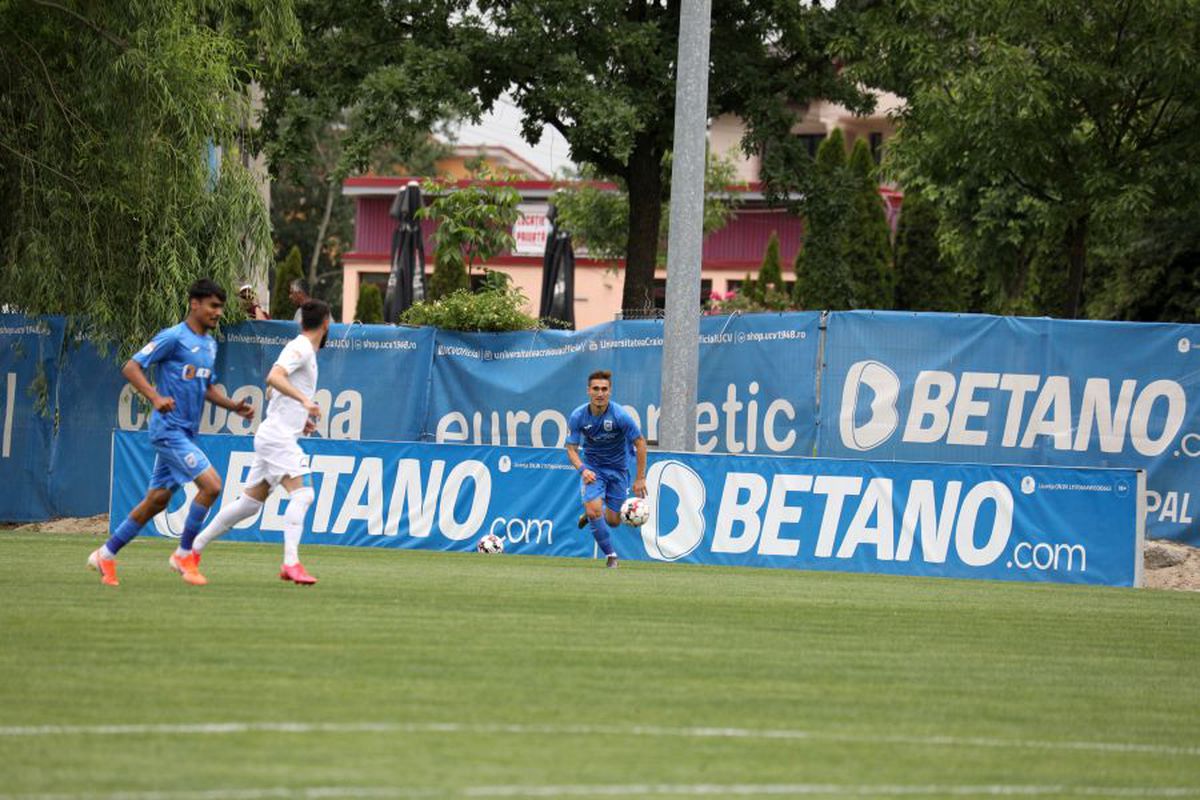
606	431
183	356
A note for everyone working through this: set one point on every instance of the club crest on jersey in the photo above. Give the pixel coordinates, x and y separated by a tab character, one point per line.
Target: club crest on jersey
148	349
608	424
190	459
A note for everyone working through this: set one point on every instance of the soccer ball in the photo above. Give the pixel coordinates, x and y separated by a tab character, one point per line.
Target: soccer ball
635	511
490	544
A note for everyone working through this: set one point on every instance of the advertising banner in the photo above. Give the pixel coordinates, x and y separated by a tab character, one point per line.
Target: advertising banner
29	351
1004	390
757	383
964	521
373	384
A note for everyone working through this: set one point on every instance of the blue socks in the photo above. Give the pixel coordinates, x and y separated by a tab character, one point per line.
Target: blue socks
602	534
126	532
195	521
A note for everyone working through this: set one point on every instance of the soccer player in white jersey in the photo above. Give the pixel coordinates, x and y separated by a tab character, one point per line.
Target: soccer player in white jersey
278	459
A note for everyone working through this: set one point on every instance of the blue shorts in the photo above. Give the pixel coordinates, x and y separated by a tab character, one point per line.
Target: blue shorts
178	460
611	484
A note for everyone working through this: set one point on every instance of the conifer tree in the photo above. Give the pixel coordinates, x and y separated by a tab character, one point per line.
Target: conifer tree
868	240
286	271
370	305
822	277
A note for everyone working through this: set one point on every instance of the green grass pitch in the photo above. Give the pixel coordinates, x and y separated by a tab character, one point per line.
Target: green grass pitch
411	674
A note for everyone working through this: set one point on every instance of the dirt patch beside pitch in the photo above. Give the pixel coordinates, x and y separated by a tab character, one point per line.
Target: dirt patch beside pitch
1168	565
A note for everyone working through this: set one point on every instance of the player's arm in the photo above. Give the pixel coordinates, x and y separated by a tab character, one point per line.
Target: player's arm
639	483
133	372
277	379
573	434
218	398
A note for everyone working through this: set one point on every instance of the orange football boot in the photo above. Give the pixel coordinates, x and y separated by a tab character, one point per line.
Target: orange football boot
107	567
188	568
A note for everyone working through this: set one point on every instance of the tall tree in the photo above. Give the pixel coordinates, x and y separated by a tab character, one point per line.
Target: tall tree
109	206
823	278
924	280
601	72
868	240
1040	128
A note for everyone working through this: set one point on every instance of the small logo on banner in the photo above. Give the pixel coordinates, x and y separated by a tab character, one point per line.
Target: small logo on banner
1028	484
687	533
1184	345
884	385
505	463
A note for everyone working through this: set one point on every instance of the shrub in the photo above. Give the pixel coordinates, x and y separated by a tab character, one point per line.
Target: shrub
496	307
370	304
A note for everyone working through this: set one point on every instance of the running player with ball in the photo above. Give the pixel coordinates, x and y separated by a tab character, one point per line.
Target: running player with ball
605	430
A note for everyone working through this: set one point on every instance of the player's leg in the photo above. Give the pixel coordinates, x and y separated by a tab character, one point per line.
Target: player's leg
157	496
615	492
300	497
188	464
593	506
249	503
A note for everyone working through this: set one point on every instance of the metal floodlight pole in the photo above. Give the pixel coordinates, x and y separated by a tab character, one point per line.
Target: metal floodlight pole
681	327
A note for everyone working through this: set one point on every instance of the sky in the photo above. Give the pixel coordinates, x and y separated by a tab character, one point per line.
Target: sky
503	127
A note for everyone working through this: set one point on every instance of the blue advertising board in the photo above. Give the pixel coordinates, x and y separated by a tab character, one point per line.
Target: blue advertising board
963	388
1022	523
29	351
756	389
373	383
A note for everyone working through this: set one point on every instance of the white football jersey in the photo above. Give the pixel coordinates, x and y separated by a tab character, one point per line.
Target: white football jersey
286	417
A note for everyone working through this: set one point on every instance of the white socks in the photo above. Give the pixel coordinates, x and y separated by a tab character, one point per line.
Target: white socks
293	523
226	518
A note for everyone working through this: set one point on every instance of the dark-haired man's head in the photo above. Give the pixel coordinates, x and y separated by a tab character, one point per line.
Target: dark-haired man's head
315	315
206	303
599	387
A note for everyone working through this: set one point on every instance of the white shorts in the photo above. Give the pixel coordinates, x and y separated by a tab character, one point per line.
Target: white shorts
275	461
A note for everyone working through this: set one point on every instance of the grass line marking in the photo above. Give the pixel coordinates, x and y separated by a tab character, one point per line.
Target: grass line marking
233	728
636	790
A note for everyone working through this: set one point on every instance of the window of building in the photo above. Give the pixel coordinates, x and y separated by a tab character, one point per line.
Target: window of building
876	142
811	142
660	291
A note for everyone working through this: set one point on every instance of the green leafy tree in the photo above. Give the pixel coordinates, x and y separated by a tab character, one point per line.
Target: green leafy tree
868	240
370	304
474	223
108	206
924	280
1045	131
823	278
286	271
601	72
598	217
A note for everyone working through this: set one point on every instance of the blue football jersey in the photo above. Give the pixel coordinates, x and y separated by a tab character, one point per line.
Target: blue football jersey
184	370
606	439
